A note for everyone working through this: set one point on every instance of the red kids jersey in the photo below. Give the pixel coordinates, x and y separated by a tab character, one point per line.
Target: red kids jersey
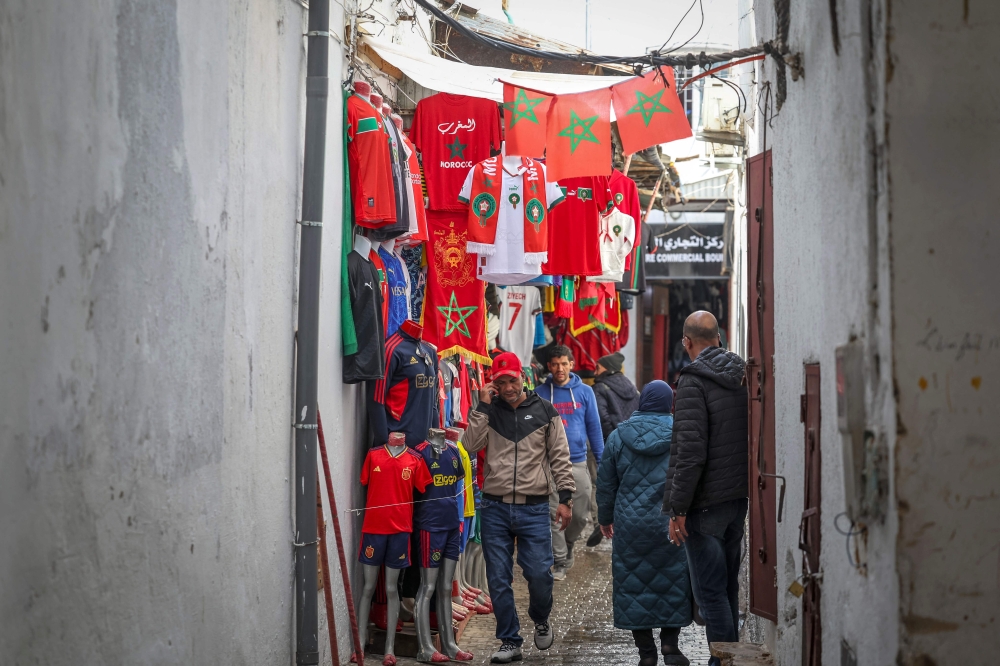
575	227
453	133
391	481
370	163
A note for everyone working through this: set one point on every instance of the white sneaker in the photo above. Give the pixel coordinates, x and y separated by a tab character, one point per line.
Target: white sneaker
543	636
507	653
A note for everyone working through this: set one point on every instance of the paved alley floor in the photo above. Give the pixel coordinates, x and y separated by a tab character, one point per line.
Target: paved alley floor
582	618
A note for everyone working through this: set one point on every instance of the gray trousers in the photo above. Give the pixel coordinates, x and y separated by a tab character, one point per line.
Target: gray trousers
581	512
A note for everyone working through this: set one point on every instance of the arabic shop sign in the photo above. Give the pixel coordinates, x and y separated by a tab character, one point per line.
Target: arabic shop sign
692	250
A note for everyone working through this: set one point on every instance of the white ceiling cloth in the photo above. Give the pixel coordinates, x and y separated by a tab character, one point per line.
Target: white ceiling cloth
457	78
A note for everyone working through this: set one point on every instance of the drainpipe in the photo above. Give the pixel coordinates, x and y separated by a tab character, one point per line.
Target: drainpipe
310	242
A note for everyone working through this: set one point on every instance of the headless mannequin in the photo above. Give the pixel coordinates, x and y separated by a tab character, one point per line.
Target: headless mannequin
362	89
378	416
397	442
397	120
437	580
376	100
511	163
362	245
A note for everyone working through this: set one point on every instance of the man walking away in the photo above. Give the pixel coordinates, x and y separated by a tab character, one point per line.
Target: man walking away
617	397
525	441
575	401
706	494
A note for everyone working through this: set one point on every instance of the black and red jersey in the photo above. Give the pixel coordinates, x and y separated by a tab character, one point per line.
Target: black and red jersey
405	398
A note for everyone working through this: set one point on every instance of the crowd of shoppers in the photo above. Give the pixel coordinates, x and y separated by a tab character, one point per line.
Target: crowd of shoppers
671	490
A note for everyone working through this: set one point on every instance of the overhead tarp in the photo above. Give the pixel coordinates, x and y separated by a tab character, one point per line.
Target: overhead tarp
457	78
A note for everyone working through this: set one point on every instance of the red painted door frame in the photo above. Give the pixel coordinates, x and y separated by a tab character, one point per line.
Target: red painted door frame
760	378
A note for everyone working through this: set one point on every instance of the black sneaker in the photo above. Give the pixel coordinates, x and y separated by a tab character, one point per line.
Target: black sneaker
507	653
543	636
595	538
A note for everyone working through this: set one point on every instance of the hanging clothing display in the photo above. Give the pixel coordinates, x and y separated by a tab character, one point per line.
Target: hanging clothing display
406	399
617	238
397	288
453	133
416	266
518	309
574	227
366	307
634	279
401	187
626	197
416	187
370	164
507	218
454	307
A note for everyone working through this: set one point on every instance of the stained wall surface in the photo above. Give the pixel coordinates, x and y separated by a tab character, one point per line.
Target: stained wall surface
150	160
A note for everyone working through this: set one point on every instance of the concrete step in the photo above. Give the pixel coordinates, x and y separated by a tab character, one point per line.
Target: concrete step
742	654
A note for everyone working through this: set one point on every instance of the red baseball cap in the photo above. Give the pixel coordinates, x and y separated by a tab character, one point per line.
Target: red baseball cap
507	363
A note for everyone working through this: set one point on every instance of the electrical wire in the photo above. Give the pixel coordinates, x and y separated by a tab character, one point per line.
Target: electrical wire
676	27
849	533
701	25
651	59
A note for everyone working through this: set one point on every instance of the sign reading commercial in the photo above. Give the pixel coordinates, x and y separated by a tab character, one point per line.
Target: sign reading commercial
690	250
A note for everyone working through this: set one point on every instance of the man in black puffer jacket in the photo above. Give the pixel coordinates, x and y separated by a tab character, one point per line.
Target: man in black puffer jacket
706	495
617	397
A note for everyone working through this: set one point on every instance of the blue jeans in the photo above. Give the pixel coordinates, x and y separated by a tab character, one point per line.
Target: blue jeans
528	525
715	535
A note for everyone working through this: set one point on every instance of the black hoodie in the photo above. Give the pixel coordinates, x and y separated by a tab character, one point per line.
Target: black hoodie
708	455
617	398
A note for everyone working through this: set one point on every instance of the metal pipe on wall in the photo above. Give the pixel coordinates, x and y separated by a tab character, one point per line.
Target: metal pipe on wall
310	246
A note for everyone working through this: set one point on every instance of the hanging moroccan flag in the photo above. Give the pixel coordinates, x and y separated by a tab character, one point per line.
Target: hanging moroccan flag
578	135
524	114
454	310
598	307
648	112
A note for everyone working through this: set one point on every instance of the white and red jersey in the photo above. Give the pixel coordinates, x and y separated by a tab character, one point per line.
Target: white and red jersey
518	307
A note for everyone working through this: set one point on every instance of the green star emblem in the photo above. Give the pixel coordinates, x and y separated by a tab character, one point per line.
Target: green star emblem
643	103
457	148
584	133
523	107
449	313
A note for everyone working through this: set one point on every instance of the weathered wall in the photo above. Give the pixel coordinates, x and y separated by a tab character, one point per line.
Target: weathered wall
829	256
149	170
943	128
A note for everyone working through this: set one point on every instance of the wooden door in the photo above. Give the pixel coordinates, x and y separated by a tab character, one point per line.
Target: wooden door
760	379
809	526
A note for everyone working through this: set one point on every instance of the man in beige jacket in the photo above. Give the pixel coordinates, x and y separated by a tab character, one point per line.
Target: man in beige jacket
524	439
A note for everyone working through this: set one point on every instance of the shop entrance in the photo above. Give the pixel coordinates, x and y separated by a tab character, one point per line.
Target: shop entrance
662	310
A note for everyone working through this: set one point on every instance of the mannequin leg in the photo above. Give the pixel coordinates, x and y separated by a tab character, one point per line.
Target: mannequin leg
445	631
422	617
392	614
365	607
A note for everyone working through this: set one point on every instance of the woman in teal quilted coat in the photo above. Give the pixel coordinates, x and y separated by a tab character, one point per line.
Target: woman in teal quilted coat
651	584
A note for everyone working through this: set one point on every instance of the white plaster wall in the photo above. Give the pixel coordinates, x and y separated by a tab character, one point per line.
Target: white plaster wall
943	129
830	243
149	169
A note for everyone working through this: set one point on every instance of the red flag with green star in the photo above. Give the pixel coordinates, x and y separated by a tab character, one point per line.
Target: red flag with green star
524	114
648	112
578	135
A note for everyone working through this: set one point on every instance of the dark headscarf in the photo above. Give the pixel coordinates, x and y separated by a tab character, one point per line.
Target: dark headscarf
657	396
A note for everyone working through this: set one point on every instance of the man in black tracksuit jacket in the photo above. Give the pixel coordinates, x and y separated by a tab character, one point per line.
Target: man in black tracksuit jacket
706	495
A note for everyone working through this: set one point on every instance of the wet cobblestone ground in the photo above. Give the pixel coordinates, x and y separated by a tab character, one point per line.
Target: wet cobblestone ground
582	619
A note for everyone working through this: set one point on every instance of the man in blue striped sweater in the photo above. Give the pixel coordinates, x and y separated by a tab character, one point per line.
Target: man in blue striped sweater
577	405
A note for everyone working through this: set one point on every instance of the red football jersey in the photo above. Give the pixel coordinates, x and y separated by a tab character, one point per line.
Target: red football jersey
391	481
370	163
575	226
453	133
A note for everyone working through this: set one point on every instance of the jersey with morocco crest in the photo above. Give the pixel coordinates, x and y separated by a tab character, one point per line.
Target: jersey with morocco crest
436	509
391	481
405	400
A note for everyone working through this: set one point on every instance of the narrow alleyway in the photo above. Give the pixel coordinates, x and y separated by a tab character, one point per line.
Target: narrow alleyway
582	617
